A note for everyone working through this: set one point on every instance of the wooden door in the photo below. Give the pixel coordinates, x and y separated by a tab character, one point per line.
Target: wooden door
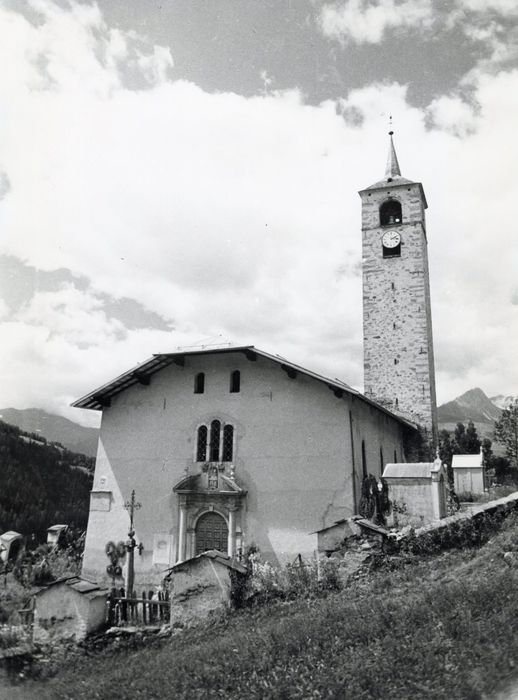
211	533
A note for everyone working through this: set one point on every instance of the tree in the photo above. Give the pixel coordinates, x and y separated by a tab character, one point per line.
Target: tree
487	451
506	432
446	451
466	441
471	440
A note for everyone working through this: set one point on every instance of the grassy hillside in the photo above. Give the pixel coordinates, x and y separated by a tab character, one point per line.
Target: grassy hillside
432	627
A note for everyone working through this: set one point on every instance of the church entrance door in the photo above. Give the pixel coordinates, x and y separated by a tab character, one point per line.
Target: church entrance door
211	533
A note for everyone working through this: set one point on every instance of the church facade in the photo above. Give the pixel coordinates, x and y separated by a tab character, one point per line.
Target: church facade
234	447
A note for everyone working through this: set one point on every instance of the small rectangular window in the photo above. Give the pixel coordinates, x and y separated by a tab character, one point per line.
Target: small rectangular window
199	383
235	382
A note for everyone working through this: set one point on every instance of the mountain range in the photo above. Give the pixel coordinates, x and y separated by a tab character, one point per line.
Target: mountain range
54	428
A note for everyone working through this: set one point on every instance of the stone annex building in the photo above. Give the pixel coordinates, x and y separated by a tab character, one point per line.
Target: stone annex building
231	447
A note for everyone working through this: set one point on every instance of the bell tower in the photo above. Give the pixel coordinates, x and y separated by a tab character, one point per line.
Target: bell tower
398	358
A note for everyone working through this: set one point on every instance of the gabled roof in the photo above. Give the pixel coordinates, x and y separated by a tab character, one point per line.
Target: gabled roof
215	555
408	470
77	584
467	461
10	535
142	373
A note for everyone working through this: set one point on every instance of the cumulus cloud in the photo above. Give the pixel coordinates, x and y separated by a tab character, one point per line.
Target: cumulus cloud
363	21
237	218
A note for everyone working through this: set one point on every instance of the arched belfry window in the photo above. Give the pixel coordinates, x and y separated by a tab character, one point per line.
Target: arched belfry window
215	428
199	383
235	382
201	447
390	213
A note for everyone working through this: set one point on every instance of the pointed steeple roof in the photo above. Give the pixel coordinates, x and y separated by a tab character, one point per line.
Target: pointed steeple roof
392	170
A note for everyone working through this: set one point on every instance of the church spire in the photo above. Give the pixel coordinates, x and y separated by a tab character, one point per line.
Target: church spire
392	169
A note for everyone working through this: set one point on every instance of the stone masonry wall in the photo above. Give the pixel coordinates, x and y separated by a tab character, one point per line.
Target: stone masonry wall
398	344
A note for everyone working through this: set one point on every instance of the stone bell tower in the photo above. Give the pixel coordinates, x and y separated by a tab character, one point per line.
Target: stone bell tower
397	322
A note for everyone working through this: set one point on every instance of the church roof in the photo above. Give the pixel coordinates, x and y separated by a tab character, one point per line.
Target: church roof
142	373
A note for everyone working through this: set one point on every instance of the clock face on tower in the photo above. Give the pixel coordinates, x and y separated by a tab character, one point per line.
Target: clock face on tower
391	239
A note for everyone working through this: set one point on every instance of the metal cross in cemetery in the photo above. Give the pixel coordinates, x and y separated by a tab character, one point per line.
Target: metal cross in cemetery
132	505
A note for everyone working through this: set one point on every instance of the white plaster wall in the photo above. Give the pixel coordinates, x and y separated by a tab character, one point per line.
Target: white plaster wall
203	587
62	613
416	496
293	455
469	480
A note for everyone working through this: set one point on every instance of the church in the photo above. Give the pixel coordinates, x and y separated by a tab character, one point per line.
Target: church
235	447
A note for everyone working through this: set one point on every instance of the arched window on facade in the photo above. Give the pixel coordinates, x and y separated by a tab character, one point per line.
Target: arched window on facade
235	382
199	383
213	444
364	460
390	213
228	443
215	428
201	446
381	460
395	457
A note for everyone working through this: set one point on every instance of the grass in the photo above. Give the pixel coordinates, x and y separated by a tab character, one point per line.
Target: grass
443	626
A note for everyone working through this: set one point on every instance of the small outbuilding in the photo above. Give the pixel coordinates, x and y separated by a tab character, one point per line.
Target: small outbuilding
203	585
417	491
11	544
468	473
69	608
54	533
331	538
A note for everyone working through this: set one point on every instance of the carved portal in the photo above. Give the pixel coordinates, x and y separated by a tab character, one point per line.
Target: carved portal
210	508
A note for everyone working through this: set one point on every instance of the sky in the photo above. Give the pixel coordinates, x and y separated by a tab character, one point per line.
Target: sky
185	173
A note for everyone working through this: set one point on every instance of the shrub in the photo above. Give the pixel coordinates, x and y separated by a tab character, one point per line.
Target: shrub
12	636
470	532
300	579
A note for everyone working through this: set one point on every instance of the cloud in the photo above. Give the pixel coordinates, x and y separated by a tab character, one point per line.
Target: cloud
234	218
503	7
362	21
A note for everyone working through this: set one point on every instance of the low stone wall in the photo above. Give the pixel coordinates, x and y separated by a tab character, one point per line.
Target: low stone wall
503	506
